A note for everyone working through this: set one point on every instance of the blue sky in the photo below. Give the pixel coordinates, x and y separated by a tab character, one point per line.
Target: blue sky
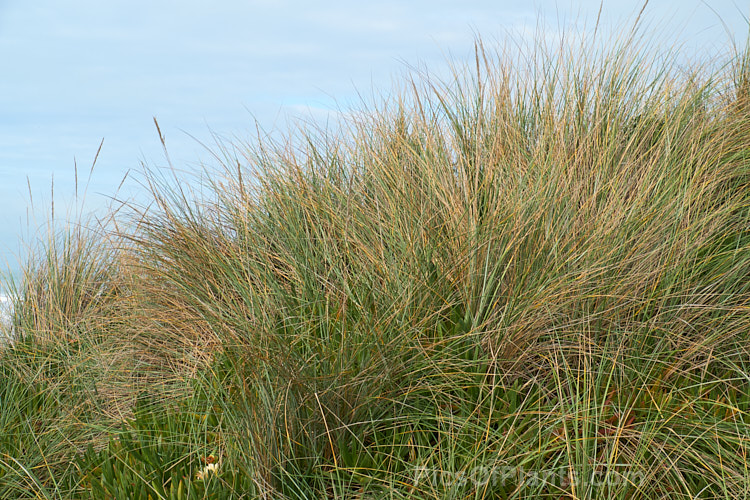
79	71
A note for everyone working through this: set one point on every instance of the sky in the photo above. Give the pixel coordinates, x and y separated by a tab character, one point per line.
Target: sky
78	72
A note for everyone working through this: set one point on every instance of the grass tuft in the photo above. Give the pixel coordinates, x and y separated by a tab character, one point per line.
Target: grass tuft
530	280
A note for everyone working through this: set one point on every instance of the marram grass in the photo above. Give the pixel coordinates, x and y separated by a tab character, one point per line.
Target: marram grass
529	281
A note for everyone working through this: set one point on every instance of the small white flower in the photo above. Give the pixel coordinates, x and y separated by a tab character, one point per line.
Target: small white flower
205	471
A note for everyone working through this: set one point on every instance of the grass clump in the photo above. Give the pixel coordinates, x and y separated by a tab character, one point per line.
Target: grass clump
528	281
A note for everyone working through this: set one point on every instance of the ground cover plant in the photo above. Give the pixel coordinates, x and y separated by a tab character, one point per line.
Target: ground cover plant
531	280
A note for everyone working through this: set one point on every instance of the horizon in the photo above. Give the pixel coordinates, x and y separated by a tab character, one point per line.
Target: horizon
80	75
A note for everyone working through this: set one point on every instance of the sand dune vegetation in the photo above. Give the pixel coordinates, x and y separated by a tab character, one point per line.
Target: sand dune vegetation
530	280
